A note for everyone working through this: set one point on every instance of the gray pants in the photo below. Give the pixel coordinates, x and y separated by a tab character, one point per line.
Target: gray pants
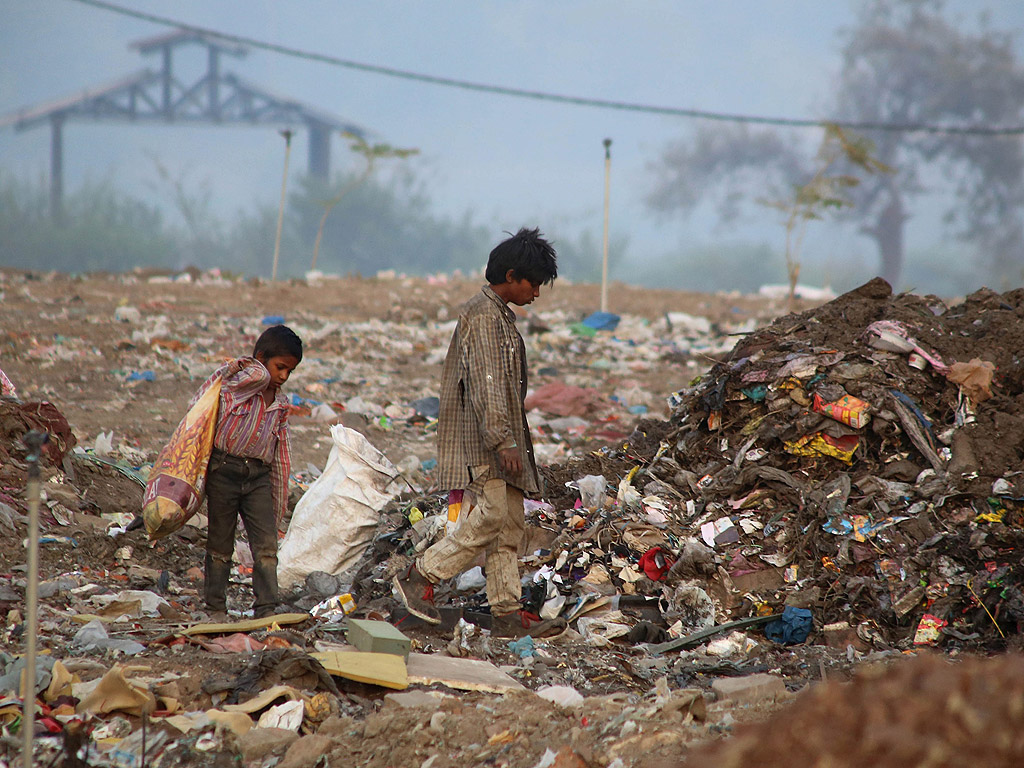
237	486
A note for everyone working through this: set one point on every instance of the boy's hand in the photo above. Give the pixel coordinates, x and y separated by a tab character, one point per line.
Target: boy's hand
236	366
510	460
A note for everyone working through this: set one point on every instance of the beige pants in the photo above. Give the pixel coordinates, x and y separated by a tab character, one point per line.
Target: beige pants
495	525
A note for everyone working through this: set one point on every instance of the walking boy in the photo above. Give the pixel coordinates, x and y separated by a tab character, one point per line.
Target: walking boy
484	443
249	467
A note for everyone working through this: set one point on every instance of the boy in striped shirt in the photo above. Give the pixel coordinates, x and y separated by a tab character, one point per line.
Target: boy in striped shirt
249	467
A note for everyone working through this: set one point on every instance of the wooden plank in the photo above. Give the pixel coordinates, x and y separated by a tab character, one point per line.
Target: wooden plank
384	669
461	674
427	669
246	626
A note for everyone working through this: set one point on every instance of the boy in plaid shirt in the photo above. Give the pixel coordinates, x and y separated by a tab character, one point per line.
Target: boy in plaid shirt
483	440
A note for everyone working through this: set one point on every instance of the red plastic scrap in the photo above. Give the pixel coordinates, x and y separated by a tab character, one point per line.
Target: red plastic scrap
655	563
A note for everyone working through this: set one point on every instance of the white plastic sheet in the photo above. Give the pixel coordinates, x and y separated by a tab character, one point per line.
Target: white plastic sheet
335	520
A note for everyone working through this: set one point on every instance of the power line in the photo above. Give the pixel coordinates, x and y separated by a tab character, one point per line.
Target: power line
625	106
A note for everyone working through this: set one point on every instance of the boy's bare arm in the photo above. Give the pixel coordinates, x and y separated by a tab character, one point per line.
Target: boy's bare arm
244	378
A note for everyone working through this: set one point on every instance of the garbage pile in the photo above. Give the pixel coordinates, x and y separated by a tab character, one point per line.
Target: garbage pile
858	463
846	477
132	672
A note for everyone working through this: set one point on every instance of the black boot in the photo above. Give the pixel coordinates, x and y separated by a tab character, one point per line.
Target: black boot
264	585
215	583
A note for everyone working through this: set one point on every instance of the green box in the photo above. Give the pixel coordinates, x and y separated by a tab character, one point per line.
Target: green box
378	637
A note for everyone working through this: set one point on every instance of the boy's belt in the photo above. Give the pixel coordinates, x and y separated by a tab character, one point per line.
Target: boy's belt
247	461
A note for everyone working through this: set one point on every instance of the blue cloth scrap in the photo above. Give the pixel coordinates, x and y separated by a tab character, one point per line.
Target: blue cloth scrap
143	376
757	393
294	399
523	647
602	321
791	628
273	320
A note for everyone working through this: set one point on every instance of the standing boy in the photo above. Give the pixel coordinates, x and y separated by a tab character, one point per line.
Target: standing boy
249	467
484	443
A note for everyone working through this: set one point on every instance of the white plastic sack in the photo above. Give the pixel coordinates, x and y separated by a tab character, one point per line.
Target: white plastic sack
336	518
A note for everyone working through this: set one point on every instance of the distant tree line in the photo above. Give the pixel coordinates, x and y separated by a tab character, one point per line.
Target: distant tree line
379	224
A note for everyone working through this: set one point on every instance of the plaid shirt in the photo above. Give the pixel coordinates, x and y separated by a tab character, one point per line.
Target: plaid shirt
483	385
248	427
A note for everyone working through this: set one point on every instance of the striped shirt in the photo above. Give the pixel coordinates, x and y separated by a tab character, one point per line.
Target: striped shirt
248	427
483	385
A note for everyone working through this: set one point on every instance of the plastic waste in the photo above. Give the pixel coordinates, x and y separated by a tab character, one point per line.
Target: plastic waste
471	580
334	609
287	715
592	490
602	321
323	414
562	695
104	443
127	315
93	636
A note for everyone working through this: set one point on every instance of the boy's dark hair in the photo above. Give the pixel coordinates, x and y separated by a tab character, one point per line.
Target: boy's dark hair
278	341
527	254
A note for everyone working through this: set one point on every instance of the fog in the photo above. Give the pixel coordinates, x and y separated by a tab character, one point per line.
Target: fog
503	161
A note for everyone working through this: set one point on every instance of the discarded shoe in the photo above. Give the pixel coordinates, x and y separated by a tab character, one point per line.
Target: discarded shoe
523	623
418	595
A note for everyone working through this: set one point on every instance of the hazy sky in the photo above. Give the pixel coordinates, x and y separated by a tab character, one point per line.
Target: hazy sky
507	160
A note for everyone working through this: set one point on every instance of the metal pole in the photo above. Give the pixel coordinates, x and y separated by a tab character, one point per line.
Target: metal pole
607	196
34	442
57	168
280	211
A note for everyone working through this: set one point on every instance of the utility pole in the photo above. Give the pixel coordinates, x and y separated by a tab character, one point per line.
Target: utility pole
280	211
33	442
607	196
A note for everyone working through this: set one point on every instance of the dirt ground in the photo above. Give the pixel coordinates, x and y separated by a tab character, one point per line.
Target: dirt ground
124	353
59	341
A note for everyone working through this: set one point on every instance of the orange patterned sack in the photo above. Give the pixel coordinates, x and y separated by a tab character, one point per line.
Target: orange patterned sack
174	491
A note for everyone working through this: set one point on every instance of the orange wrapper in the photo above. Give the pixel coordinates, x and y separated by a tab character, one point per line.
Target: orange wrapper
847	409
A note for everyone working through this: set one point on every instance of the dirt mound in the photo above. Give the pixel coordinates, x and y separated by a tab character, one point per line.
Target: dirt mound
924	711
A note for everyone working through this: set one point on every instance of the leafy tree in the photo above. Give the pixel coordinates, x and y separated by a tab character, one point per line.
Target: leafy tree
826	191
384	224
904	63
371	154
